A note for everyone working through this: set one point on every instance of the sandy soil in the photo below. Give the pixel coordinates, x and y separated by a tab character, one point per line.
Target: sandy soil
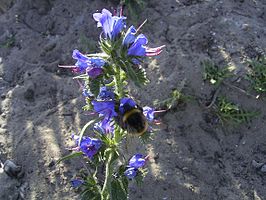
192	156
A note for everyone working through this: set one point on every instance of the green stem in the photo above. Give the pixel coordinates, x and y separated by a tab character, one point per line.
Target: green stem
118	83
108	174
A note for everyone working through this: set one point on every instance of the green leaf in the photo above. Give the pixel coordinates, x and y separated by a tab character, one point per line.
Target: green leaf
105	47
72	155
92	190
119	189
97	55
135	73
142	172
95	85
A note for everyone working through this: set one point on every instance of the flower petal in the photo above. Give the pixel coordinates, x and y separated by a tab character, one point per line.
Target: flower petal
126	104
149	113
138	48
130	36
130	172
76	182
137	161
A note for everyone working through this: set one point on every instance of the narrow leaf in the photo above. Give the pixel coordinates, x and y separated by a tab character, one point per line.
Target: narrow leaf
72	155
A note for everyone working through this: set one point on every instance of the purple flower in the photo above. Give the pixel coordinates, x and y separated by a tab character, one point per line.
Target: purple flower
104	128
89	146
149	113
138	48
137	45
93	72
130	36
105	106
106	94
137	161
76	183
111	25
105	109
92	65
126	104
131	172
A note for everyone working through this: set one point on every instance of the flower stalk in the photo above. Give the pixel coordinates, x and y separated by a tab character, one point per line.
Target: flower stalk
105	76
108	173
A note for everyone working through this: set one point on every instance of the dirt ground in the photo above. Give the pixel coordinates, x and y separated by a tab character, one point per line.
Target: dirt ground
192	157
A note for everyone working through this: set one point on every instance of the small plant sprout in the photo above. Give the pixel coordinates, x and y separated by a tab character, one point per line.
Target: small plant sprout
176	98
104	78
257	74
214	74
229	112
9	42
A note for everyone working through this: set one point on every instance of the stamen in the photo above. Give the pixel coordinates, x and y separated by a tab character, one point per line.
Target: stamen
159	111
67	66
141	25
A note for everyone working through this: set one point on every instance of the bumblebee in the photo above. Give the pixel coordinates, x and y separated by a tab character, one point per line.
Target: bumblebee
134	121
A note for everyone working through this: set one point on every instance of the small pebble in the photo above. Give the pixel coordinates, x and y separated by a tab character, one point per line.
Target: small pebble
263	168
52	163
3	96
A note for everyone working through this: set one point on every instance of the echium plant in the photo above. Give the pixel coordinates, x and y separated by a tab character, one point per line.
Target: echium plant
105	77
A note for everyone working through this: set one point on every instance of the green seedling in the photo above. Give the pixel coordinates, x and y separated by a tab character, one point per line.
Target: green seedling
229	112
257	74
176	98
9	42
214	74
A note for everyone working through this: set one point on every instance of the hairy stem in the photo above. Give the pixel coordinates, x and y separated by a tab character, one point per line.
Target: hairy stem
118	83
108	174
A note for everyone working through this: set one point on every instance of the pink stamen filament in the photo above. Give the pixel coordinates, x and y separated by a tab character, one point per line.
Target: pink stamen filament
67	66
159	111
141	25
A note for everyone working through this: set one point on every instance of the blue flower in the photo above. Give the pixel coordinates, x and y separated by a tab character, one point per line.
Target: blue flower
129	36
89	146
137	45
111	25
131	172
92	65
105	106
138	48
106	94
76	182
126	104
93	72
149	113
137	161
104	127
105	109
